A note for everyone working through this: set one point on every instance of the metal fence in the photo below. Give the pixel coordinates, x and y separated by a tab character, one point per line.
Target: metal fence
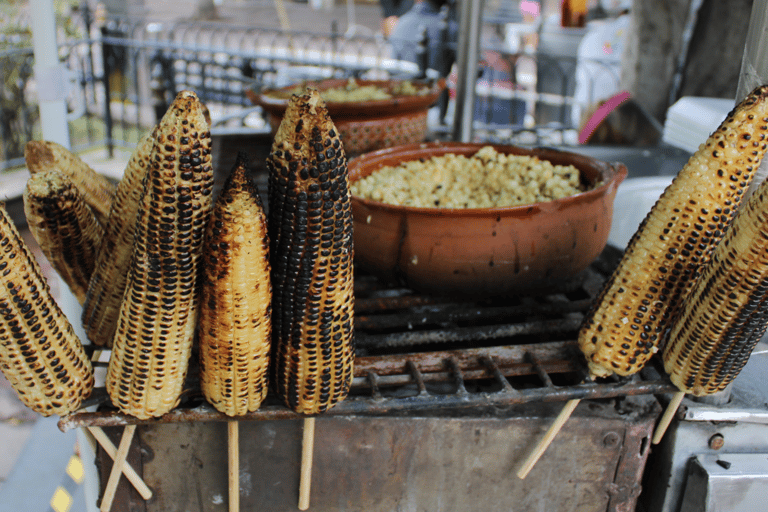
124	75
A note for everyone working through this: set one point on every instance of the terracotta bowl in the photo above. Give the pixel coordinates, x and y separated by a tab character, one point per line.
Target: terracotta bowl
490	251
365	125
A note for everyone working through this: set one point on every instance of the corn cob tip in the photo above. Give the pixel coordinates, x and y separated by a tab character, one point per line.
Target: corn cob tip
305	117
46	182
36	151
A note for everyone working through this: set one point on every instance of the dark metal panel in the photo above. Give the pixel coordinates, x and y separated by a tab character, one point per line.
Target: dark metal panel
439	463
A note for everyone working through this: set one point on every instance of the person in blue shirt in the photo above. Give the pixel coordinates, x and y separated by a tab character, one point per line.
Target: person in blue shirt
429	16
391	12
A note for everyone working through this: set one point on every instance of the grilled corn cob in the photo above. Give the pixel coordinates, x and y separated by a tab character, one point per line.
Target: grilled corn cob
97	190
156	324
40	353
64	227
107	284
726	313
310	230
631	315
235	305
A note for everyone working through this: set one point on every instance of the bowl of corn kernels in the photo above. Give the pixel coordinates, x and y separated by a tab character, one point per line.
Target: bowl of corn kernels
476	220
369	114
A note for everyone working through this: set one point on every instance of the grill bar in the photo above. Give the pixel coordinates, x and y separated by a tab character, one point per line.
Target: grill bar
420	353
385	405
466	334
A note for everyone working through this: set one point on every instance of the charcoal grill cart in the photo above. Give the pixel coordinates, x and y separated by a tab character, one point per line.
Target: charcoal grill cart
447	400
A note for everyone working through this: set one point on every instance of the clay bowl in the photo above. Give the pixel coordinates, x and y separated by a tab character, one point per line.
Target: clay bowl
489	252
365	126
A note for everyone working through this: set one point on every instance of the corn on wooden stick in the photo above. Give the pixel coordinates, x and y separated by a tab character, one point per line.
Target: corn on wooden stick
725	314
627	323
107	284
64	227
130	473
234	329
307	451
310	231
117	468
158	314
40	353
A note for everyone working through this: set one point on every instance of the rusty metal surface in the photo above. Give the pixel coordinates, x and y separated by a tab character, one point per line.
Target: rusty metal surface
409	383
434	464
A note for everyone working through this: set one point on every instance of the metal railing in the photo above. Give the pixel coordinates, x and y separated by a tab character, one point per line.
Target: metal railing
124	75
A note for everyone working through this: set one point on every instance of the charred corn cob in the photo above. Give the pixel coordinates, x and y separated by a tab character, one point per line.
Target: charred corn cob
156	324
40	354
726	313
235	305
310	229
97	190
64	227
633	311
105	289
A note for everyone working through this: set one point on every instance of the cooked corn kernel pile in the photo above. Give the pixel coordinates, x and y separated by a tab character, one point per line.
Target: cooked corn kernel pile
352	91
486	179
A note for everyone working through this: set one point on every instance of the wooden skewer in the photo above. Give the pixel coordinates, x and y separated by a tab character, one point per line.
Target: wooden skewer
307	447
666	418
117	468
537	452
128	471
233	441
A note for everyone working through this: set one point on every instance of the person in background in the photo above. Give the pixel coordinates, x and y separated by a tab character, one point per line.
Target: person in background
426	15
391	12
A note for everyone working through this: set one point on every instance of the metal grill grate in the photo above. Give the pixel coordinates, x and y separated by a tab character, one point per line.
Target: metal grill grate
420	354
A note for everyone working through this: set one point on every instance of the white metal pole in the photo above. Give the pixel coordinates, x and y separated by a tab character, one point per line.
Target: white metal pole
49	73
